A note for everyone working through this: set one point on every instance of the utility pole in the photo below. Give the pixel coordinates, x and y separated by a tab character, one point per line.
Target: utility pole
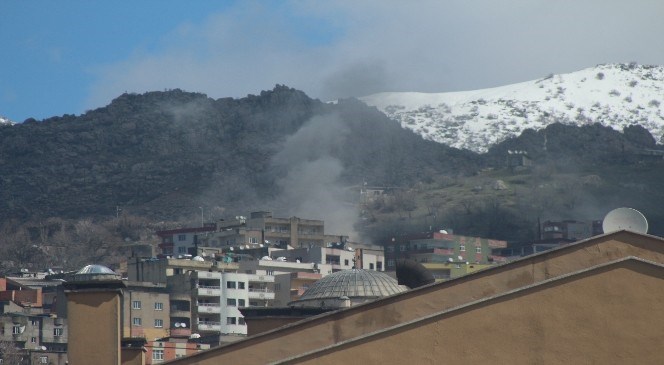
202	219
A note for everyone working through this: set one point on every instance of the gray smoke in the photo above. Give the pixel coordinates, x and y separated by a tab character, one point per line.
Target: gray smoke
311	187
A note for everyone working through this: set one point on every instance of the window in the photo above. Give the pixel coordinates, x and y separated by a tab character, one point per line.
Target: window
478	249
462	248
241	303
379	265
332	259
390	263
231	302
230	284
33	339
158	306
136	304
182	237
241	321
231	320
253	240
402	248
34	322
137	321
57	332
371	266
43	360
182	249
240	284
277	287
270	272
159	323
16	330
346	262
390	248
157	354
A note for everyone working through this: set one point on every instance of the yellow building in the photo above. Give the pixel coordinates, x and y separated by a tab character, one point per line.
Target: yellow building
594	301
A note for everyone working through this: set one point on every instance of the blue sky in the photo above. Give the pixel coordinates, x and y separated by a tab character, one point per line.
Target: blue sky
64	57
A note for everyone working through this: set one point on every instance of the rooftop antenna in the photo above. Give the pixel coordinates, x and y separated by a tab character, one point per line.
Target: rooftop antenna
625	219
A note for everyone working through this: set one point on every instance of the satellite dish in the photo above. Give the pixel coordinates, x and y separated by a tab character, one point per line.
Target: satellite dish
183	325
450	259
460	258
625	219
177	324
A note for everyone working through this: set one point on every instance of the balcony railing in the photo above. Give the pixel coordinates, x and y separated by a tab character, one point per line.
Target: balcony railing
214	291
260	278
209	326
261	293
209	308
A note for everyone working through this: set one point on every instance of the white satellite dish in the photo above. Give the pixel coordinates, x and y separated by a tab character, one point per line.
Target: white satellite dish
183	325
460	258
177	324
625	219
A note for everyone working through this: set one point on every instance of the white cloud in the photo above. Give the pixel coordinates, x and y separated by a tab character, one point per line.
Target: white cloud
388	45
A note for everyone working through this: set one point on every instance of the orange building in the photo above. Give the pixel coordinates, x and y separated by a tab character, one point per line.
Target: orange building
165	349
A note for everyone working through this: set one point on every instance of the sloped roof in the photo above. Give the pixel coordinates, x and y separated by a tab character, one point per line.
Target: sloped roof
587	290
344	325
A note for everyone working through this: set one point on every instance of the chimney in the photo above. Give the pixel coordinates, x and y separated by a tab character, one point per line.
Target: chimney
93	316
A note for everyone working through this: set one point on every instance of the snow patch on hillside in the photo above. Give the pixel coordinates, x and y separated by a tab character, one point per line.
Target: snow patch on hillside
4	120
615	95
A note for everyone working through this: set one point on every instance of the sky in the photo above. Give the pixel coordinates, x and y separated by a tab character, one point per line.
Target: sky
66	57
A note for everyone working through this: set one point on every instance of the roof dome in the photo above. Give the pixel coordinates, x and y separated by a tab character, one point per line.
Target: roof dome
353	284
96	269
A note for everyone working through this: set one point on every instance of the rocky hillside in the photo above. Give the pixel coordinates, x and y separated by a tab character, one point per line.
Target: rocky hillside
614	95
165	154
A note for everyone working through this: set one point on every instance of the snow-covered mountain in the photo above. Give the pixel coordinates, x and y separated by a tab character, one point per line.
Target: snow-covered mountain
4	120
615	95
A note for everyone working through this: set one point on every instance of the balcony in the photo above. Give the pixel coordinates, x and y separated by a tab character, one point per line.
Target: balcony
260	278
209	275
261	293
208	291
209	308
179	313
179	331
209	326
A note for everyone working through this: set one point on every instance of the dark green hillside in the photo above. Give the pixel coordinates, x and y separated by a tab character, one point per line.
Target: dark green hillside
582	174
162	154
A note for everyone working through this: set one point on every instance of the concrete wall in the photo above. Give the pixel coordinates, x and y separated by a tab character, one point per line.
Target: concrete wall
604	316
333	328
133	356
94	327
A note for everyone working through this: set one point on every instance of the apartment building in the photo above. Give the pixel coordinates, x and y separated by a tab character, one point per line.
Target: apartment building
146	310
182	241
257	230
442	247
